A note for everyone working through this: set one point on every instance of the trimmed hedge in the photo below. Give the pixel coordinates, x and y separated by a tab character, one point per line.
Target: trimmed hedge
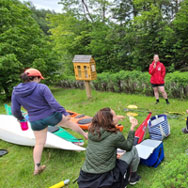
135	82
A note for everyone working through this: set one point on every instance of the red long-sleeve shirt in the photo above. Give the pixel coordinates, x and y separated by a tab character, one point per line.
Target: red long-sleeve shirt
157	73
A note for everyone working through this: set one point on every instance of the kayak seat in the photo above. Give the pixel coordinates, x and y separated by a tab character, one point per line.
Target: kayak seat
80	116
85	121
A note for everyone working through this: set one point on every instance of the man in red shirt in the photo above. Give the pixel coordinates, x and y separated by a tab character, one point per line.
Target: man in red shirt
158	71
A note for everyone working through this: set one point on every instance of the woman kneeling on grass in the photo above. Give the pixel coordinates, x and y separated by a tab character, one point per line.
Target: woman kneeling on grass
101	168
43	110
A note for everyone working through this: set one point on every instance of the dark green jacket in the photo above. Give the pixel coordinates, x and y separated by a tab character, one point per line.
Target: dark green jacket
101	152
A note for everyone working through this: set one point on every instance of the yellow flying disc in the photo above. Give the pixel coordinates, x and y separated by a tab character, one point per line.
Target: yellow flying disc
132	114
132	106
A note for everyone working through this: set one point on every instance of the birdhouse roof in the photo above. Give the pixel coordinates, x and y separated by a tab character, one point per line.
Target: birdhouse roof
82	59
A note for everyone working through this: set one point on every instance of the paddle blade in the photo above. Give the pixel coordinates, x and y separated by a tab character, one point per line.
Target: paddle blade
141	130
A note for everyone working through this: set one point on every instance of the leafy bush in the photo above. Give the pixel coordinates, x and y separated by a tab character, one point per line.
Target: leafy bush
69	82
173	174
176	84
136	82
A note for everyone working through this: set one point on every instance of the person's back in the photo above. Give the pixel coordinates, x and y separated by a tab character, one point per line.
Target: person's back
101	152
31	96
37	99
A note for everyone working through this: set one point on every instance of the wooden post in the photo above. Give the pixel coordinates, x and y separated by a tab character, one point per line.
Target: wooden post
88	89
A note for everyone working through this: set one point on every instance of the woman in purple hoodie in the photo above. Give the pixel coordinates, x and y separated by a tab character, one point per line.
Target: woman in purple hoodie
43	110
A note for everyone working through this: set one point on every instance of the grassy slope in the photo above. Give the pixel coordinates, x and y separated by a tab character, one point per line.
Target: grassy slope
16	168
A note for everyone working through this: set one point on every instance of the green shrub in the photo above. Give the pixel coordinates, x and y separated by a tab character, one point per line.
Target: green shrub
69	82
134	82
173	174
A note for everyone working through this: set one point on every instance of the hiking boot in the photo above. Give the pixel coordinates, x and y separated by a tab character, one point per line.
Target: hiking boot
185	131
167	102
134	178
157	101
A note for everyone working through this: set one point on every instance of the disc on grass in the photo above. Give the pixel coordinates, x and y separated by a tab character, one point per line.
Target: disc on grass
132	114
132	106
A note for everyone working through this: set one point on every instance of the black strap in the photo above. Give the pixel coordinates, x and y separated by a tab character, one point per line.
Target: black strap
158	158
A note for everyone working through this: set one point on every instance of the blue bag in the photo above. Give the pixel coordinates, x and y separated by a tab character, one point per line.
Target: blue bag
159	127
155	158
151	152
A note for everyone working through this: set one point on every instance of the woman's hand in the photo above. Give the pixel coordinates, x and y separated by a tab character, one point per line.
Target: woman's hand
117	118
187	111
120	117
134	122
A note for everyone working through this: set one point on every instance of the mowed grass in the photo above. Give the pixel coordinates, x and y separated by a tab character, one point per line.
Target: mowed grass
16	168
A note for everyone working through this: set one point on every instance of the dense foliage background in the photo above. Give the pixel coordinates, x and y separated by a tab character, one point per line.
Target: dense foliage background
120	35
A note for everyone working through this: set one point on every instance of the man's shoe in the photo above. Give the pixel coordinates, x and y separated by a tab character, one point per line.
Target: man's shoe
185	131
134	178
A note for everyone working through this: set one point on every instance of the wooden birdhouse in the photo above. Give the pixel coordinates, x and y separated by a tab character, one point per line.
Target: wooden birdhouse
84	67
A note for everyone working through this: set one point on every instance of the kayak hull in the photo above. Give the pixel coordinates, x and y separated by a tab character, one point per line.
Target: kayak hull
10	131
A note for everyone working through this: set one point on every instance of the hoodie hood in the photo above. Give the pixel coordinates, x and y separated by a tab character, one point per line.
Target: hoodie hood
95	137
25	89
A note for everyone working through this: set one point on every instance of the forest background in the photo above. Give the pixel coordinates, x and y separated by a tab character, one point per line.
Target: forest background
121	35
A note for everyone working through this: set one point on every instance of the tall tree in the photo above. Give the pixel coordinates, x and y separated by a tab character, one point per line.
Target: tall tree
40	15
90	10
22	45
179	37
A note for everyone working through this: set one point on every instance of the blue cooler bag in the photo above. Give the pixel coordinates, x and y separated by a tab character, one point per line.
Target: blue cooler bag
155	158
159	127
151	152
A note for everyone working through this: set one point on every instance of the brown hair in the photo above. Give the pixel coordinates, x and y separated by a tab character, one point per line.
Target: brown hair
25	78
103	119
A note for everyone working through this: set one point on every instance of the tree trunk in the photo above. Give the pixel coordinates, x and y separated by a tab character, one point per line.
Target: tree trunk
87	10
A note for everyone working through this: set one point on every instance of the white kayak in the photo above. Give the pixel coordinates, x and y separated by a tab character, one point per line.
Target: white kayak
10	131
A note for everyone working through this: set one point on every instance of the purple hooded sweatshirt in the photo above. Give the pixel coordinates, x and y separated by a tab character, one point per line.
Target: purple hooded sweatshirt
37	99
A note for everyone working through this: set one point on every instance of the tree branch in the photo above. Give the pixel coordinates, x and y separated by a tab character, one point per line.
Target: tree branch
87	9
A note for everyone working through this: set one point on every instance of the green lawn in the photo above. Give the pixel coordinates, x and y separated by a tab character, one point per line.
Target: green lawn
16	168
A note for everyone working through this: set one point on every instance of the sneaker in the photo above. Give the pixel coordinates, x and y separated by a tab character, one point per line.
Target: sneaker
134	178
39	170
185	131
